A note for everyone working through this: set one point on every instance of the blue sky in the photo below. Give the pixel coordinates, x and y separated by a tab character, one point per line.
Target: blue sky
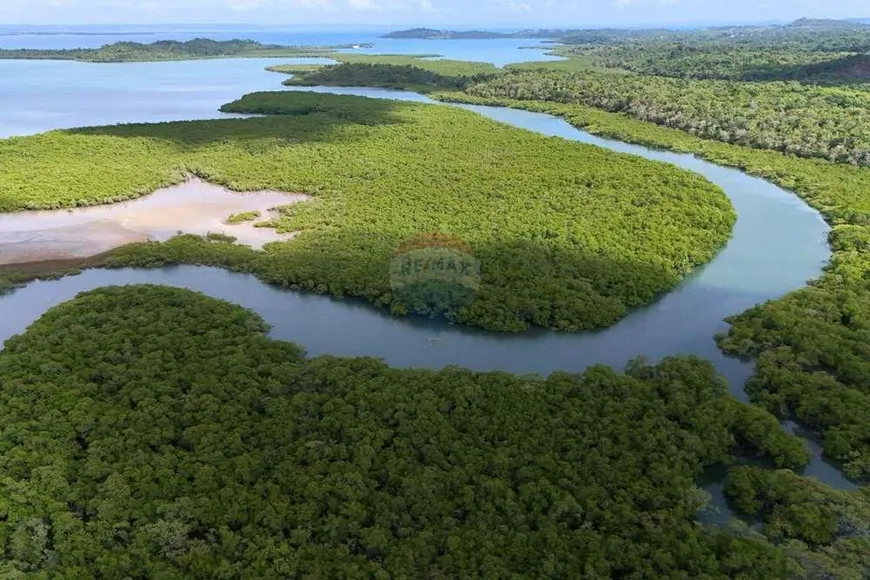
454	13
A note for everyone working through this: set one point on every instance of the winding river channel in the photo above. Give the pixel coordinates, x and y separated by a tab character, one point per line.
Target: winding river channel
778	244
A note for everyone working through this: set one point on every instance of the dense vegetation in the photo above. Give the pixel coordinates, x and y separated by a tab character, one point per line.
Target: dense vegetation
577	475
832	123
803	120
813	51
812	345
796	512
151	432
382	75
573	236
380	63
711	61
168	50
817	35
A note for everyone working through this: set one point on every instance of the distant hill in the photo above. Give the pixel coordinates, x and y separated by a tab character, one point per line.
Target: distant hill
172	50
817	23
836	35
432	34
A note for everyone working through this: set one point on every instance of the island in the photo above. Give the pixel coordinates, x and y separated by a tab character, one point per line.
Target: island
162	50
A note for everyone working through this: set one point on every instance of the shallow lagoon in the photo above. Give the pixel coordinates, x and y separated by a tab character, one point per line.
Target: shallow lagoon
195	206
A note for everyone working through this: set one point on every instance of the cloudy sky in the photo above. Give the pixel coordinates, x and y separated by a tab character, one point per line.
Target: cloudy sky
457	13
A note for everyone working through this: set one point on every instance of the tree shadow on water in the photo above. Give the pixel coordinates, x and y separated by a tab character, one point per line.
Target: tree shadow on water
520	284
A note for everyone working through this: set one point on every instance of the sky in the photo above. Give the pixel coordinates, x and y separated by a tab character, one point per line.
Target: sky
442	13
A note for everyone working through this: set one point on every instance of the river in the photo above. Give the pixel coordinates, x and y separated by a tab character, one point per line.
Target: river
778	244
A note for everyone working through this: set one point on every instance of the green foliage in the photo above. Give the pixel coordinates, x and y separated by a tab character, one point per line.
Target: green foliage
169	50
383	75
220	237
799	511
313	107
574	235
573	63
245	216
801	35
738	62
813	350
427	62
812	345
151	432
807	121
816	51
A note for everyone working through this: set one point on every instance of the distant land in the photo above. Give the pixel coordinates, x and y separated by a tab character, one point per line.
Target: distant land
432	34
198	48
596	33
826	23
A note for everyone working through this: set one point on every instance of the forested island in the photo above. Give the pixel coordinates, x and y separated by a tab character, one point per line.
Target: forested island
172	50
152	432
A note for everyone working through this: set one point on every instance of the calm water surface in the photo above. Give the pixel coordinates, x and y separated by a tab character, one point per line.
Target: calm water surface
499	51
779	243
37	96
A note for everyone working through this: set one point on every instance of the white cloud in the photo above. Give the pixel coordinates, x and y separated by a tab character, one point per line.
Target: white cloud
363	4
515	6
622	4
243	5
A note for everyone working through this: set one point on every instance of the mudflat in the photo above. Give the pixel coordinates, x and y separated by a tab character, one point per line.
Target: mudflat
195	206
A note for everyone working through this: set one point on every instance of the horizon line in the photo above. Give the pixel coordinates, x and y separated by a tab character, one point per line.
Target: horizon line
451	27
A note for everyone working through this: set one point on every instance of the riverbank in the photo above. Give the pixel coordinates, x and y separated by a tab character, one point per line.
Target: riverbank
788	337
786	334
598	233
251	438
